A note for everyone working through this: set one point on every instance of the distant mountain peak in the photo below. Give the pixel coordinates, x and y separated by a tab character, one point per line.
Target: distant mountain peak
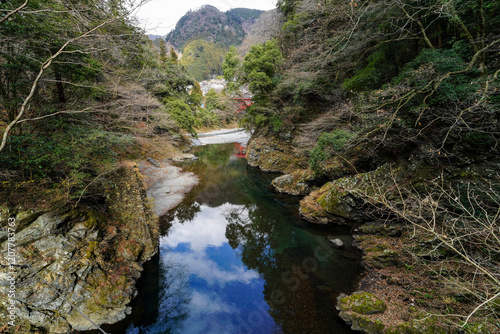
210	24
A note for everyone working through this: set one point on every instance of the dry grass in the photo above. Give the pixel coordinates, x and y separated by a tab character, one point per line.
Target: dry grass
341	116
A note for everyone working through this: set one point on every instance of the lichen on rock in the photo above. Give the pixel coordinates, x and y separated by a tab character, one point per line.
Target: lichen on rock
362	303
295	183
354	310
92	258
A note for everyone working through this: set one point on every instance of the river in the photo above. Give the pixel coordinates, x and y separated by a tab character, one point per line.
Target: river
235	257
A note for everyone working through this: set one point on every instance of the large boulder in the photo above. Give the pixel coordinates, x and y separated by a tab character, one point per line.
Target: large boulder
295	183
273	155
347	200
356	308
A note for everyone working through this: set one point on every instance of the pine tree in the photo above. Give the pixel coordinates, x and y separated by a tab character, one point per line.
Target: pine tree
163	52
174	58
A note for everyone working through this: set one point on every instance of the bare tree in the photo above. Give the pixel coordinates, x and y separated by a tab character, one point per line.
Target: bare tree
95	24
463	220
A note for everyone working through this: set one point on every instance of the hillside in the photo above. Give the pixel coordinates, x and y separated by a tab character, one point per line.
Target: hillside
203	59
209	23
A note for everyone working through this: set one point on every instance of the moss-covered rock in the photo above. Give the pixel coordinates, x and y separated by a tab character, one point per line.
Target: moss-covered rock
295	183
95	257
356	308
127	201
429	325
385	258
273	155
336	168
362	323
129	250
345	200
362	303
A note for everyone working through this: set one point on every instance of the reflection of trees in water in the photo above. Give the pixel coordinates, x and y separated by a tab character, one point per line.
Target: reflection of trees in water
215	155
174	297
221	175
186	211
267	241
175	292
285	257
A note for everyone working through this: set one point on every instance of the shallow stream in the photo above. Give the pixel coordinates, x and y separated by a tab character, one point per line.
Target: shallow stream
235	257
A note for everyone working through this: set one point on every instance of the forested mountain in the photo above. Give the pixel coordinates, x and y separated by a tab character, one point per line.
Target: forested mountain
203	59
210	24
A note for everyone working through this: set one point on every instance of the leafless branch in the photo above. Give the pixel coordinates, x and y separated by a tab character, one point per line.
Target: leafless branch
6	17
44	67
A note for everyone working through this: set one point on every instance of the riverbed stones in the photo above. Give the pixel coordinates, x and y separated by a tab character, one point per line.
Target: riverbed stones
337	243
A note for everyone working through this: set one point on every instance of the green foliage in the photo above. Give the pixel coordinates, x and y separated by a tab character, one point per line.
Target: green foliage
72	152
276	123
163	52
262	67
258	114
378	71
174	58
206	118
430	64
27	41
169	82
329	144
230	67
182	113
203	59
196	95
214	101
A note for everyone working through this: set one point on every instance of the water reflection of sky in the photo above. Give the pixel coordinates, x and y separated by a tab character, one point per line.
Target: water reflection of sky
223	291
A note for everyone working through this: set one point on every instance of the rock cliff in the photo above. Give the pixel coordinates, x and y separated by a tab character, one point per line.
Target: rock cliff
80	257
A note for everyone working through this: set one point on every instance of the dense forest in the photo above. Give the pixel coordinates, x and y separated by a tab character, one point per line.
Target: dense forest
210	24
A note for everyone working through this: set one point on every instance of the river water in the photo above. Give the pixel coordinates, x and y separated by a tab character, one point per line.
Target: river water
236	257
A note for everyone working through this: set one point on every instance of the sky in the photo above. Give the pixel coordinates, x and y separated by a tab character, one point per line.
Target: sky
158	17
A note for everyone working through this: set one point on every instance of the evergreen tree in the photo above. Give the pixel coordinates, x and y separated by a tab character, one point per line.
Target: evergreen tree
261	67
196	95
163	52
174	58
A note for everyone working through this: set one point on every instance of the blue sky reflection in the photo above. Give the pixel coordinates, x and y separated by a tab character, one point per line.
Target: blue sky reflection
223	290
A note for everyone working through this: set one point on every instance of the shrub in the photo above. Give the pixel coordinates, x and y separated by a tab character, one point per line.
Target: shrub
327	145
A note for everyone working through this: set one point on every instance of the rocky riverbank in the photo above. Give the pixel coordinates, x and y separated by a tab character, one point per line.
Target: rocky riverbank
401	291
79	258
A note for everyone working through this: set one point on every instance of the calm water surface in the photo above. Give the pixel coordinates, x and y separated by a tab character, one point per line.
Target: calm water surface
237	258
